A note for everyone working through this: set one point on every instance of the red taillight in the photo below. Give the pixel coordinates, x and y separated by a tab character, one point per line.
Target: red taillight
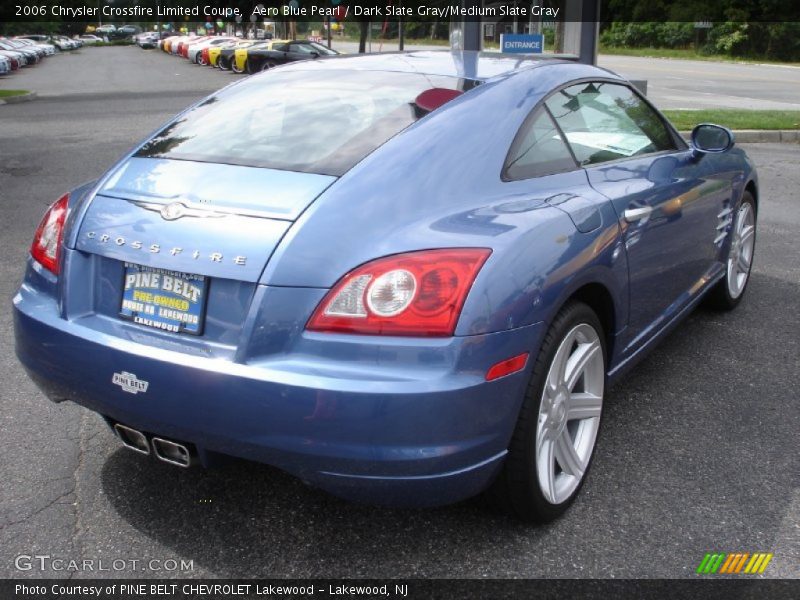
416	293
46	247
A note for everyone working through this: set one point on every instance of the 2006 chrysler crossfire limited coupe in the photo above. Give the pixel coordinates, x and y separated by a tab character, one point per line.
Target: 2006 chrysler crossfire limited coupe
405	278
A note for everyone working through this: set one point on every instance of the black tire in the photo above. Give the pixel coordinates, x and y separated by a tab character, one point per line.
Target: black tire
268	65
517	489
221	65
721	296
234	68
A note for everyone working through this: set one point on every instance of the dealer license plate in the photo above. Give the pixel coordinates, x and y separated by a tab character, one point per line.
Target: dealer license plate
166	300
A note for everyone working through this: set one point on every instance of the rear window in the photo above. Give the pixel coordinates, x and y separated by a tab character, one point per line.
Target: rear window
311	121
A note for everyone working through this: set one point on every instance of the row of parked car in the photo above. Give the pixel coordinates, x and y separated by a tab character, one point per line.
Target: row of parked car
24	51
111	32
239	55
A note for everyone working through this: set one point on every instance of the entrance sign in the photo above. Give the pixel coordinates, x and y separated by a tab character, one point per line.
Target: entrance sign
522	43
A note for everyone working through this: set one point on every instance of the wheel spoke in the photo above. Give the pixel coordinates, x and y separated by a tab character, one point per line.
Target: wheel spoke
740	223
548	397
556	376
583	406
578	361
742	264
566	455
545	465
746	235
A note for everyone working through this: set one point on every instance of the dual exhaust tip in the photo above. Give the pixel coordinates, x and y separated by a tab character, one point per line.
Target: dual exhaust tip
165	450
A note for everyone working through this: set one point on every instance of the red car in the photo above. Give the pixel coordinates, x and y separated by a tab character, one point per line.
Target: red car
12	59
183	45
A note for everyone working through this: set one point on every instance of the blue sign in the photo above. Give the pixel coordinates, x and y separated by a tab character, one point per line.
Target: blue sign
522	43
164	299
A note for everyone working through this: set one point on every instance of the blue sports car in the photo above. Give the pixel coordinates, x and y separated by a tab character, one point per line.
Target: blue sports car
403	278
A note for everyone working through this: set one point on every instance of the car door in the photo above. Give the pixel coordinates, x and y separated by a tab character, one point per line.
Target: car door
669	216
540	167
298	51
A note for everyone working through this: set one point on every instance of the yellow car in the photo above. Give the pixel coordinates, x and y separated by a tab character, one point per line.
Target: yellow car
239	64
215	52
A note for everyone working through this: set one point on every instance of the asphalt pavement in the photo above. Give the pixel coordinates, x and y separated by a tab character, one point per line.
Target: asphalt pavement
687	84
671	83
696	84
698	452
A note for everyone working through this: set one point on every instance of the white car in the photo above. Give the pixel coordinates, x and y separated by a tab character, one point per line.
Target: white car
147	40
62	42
195	50
49	49
32	55
89	39
5	65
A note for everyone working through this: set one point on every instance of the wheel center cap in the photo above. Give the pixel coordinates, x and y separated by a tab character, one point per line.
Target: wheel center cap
558	413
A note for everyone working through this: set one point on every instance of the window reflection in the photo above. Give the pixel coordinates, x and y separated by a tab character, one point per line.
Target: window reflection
320	122
606	121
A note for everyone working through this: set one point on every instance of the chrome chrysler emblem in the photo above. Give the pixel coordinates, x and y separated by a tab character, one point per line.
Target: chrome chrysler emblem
177	210
173	211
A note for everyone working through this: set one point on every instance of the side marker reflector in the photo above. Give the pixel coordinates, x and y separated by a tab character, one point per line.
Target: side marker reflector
507	367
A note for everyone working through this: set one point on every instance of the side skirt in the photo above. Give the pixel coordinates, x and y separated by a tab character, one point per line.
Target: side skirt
625	365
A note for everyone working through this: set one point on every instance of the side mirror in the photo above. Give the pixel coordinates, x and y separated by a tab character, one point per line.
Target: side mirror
708	138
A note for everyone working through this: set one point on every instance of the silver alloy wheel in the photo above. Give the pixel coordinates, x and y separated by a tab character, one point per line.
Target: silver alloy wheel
569	413
740	257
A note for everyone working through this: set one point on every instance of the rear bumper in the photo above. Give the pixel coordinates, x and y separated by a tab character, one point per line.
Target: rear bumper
430	440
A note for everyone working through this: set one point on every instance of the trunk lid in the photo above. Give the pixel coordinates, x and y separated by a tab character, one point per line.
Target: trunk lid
208	219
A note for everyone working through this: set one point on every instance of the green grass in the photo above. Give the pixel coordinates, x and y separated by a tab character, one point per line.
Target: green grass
685	120
7	93
685	54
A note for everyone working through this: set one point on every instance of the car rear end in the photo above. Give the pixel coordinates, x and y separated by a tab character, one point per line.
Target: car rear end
148	299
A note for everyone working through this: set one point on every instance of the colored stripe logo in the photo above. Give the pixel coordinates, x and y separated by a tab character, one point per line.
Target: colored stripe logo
734	563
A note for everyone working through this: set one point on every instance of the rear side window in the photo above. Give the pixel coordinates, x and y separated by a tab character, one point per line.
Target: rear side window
537	150
314	121
302	48
606	121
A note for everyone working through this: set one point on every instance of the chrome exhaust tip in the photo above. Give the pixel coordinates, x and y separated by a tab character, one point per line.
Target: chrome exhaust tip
130	438
172	452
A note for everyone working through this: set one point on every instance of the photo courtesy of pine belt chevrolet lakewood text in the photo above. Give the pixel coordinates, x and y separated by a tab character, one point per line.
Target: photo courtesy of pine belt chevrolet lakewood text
405	279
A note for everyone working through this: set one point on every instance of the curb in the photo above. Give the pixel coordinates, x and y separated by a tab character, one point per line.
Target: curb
756	136
18	99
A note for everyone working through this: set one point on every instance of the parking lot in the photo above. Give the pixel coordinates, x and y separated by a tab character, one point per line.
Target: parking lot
698	450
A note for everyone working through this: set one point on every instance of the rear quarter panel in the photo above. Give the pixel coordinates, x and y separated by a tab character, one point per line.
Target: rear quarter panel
438	184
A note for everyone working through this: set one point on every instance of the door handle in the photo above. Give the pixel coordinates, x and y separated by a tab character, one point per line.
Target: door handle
637	214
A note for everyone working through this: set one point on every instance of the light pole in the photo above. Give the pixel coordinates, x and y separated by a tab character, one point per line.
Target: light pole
401	29
100	10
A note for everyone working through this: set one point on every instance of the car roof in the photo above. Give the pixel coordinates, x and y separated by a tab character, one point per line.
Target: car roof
478	66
